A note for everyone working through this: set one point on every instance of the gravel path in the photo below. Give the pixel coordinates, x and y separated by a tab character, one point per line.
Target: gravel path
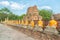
7	33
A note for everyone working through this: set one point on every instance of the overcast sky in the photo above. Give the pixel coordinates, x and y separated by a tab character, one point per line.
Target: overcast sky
20	7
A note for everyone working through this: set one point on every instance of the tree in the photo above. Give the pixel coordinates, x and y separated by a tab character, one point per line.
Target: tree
3	16
46	14
5	12
21	17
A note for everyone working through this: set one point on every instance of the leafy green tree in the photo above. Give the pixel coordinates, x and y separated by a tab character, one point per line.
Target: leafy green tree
21	17
5	12
46	14
3	16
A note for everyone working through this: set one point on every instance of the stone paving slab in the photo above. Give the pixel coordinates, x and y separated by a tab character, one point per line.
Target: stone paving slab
7	33
36	34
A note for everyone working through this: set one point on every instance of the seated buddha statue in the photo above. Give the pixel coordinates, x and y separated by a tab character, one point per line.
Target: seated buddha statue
51	27
26	22
19	22
52	23
22	22
40	23
39	26
31	25
16	22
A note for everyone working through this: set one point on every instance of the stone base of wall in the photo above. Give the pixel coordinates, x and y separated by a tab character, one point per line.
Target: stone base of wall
36	34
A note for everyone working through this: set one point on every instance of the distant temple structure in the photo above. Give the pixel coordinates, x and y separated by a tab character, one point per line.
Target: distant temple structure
57	16
32	14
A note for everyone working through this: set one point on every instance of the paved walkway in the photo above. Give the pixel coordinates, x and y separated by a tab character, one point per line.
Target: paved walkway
7	33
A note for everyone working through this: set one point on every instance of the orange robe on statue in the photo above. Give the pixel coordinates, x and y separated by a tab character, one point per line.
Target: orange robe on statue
53	23
40	23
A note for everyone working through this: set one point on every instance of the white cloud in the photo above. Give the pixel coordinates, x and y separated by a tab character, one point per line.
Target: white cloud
12	5
17	6
45	7
4	3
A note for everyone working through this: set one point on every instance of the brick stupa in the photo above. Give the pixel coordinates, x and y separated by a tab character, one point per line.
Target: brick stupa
32	14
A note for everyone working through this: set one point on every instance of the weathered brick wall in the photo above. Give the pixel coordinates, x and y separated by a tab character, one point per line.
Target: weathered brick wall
58	27
57	16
